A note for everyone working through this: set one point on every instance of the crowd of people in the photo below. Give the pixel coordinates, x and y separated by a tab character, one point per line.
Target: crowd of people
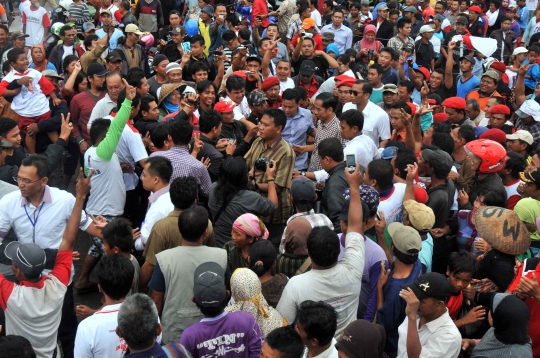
304	179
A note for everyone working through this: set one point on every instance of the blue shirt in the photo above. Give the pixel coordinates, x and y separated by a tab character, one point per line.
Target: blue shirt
342	36
50	66
113	40
524	19
534	72
217	39
464	88
295	134
389	76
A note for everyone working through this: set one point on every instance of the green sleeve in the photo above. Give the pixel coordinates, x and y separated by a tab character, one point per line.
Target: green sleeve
107	146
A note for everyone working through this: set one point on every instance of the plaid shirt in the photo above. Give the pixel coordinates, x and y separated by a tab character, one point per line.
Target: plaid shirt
328	130
534	129
185	165
282	153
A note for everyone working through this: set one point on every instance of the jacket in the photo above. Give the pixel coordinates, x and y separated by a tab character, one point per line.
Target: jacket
318	79
236	130
150	15
209	151
143	64
56	56
492	181
385	32
333	200
505	44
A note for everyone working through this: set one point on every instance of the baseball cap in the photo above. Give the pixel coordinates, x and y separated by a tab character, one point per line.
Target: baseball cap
113	57
421	216
253	57
389	153
426	28
532	176
382	8
134	29
432	284
522	135
224	107
491	74
529	108
172	66
303	189
425	72
208	9
308	23
52	73
519	50
390	87
176	31
88	26
405	238
17	35
96	69
108	12
438	159
468	58
307	68
462	20
29	258
329	36
409	47
438	17
256	98
209	285
409	9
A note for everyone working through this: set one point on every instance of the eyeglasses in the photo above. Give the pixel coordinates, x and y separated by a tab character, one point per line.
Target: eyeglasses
356	93
24	181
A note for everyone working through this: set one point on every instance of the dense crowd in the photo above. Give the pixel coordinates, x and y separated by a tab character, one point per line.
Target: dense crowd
298	179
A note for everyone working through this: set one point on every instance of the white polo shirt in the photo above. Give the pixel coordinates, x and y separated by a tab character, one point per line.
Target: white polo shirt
103	108
131	150
363	148
376	121
159	206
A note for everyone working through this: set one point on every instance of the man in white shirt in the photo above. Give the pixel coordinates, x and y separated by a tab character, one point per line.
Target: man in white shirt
157	172
104	106
351	123
235	87
376	121
431	331
316	325
36	23
337	283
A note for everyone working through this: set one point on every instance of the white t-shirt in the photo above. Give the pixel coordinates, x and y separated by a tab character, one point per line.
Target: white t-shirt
157	210
376	121
285	85
68	50
316	15
22	6
363	148
392	205
131	150
241	110
36	20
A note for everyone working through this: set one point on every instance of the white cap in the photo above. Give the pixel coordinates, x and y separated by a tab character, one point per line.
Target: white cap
519	50
529	108
426	28
521	135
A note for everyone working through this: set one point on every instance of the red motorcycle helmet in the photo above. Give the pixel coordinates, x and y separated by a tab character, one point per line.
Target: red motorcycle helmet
491	153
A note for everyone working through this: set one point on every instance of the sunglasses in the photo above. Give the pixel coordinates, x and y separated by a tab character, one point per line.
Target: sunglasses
356	93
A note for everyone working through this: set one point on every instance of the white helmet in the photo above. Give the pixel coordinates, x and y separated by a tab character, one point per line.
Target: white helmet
66	4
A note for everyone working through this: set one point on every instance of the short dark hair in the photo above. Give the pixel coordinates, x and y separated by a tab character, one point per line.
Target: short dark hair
404	157
442	127
323	246
126	5
16	346
344	58
406	258
286	341
228	35
145	102
14	54
534	48
262	251
208	120
504	18
402	105
402	22
329	3
366	86
407	84
65	28
328	100
115	276
377	67
118	233
280	119
244	34
466	132
331	147
197	66
290	94
161	167
197	38
353	118
492	197
193	222
99	129
122	97
6	126
88	40
40	162
302	93
383	172
459	262
516	163
184	192
204	85
159	135
262	41
340	9
392	52
235	83
444	141
356	5
319	320
135	76
180	131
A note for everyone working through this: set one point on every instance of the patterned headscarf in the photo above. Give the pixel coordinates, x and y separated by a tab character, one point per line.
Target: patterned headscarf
252	226
369	196
247	294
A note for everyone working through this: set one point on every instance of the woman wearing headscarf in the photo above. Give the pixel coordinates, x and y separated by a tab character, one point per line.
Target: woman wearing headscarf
368	43
508	336
246	229
362	339
248	297
169	98
39	60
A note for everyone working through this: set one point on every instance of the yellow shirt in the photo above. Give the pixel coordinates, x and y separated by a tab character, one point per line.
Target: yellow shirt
205	33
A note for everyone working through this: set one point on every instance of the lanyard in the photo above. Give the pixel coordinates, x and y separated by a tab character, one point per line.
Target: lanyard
34	222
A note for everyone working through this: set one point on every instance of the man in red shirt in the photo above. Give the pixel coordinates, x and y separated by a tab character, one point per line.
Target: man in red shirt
259	10
308	26
427	10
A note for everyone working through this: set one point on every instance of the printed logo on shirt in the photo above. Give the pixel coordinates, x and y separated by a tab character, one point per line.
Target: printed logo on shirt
221	344
122	346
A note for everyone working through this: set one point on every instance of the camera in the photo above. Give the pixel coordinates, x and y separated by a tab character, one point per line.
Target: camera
370	55
260	164
307	35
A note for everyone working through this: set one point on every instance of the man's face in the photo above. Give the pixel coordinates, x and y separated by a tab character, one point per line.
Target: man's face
174	76
153	112
487	85
373	76
106	19
236	95
337	19
34	183
14	136
489	104
69	37
268	352
114	66
463	6
258	111
196	49
290	107
354	12
174	20
436	80
145	87
265	45
272	93
395	120
506	25
221	11
344	94
389	98
3	36
403	95
385	60
307	48
461	27
347	132
254	67
147	179
114	87
305	79
471	113
394	19
98	82
497	120
515	146
406	30
283	71
439	9
453	115
176	38
321	112
272	32
466	66
531	190
267	128
19	42
199	76
473	16
454	6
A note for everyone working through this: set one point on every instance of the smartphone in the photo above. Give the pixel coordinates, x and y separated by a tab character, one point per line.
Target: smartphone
351	162
248	73
259	17
221	16
218	53
231	141
186	46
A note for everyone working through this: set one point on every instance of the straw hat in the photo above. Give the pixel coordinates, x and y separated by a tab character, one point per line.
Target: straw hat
502	229
169	88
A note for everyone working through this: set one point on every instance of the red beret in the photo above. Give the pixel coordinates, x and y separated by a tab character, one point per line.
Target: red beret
413	108
347	82
239	74
475	9
224	107
500	109
420	195
499	66
270	82
455	102
440	117
494	134
425	72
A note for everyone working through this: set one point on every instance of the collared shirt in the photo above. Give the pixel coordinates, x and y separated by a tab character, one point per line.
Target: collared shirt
376	121
342	36
184	165
295	134
159	206
102	108
282	153
534	129
330	352
397	43
439	338
329	129
312	88
364	150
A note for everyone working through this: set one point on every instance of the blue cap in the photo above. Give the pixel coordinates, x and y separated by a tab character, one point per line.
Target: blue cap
478	131
389	153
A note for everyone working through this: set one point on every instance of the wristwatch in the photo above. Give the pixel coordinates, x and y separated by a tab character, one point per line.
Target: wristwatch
303	174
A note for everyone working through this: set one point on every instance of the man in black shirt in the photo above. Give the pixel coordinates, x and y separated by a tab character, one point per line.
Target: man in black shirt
173	47
425	54
322	60
257	104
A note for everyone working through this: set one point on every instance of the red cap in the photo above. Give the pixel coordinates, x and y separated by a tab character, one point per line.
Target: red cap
347	82
270	82
455	102
494	134
500	109
499	66
342	78
420	195
475	9
224	107
240	74
425	72
440	117
413	108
